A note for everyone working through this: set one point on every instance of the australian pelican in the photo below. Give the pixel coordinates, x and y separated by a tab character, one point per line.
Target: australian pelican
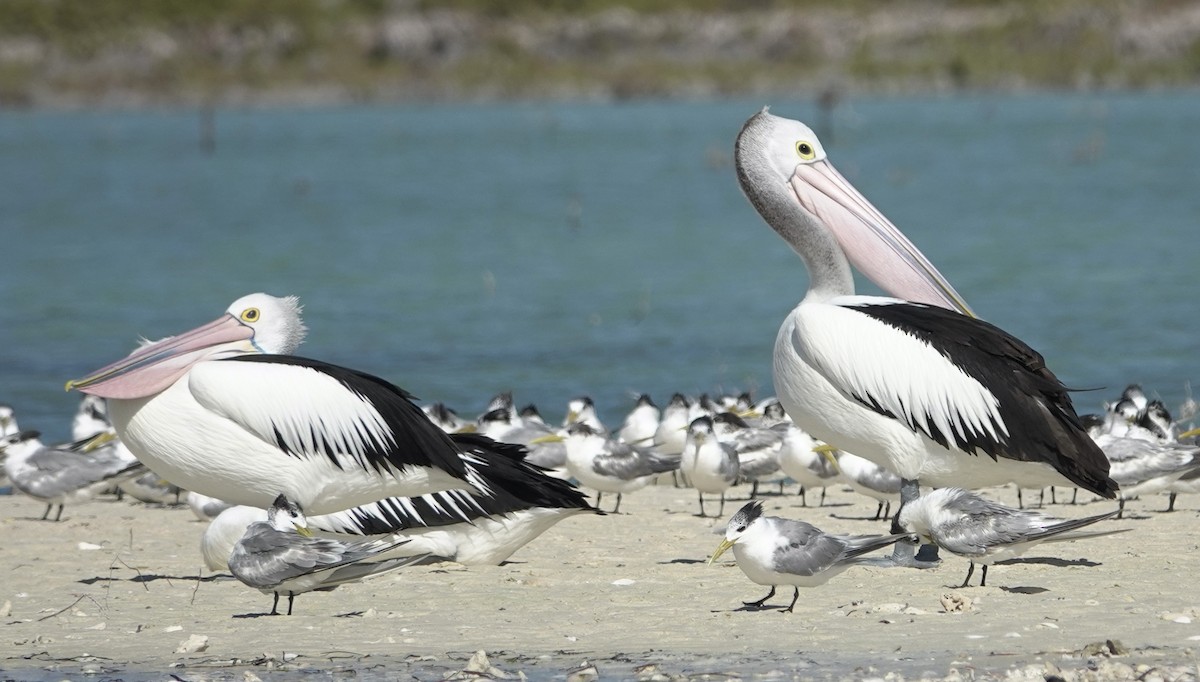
227	411
915	383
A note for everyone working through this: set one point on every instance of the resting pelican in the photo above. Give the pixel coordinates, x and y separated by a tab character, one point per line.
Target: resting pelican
226	411
915	383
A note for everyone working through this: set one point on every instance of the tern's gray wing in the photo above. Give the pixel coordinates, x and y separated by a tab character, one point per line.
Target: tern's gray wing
547	455
56	472
880	480
626	462
355	571
982	525
756	463
730	467
266	557
525	433
807	551
748	440
1133	460
973	524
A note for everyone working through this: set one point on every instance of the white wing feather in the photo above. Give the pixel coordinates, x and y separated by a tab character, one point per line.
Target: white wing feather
872	361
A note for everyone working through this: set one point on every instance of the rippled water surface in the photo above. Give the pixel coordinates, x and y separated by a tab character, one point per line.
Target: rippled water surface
557	250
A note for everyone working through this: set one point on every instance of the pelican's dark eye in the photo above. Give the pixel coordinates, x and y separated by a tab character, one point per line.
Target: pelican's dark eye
806	151
250	315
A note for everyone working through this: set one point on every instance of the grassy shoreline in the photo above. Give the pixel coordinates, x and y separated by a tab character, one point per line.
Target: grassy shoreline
77	53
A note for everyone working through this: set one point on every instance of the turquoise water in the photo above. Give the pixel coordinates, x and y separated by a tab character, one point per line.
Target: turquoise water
557	250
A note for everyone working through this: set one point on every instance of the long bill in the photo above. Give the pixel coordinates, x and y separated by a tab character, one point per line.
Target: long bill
872	244
721	549
152	368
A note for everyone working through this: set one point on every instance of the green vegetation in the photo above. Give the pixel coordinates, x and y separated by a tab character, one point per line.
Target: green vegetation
121	52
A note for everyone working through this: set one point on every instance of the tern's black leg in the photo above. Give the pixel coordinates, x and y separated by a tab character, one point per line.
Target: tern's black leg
822	497
721	511
275	606
795	596
1120	507
1171	503
599	495
47	514
1020	502
970	571
701	503
291	598
760	602
58	516
803	501
878	512
617	509
983	575
754	489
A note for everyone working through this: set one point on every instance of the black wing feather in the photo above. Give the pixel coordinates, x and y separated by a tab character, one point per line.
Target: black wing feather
418	441
1042	423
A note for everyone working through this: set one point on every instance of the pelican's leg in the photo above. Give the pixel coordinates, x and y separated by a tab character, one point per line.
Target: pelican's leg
758	604
795	596
903	553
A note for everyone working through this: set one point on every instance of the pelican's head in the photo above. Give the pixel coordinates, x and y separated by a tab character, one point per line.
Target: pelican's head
253	324
785	172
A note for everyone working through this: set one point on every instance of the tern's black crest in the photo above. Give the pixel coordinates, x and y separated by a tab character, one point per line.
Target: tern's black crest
746	515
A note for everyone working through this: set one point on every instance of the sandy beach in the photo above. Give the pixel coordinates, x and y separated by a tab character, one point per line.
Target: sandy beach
117	590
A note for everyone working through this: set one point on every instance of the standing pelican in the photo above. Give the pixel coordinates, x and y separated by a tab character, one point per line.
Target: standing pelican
915	383
226	411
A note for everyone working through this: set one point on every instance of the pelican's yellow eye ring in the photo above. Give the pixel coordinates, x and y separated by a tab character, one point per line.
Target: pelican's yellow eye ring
805	151
250	315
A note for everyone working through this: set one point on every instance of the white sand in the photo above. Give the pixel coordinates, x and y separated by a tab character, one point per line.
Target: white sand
620	591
